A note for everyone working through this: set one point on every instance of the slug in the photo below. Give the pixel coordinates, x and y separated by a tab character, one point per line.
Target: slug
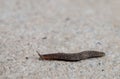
72	56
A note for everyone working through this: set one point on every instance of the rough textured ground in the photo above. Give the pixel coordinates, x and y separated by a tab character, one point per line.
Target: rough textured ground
51	26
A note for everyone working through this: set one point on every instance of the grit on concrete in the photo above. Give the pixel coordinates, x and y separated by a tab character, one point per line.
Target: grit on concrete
51	26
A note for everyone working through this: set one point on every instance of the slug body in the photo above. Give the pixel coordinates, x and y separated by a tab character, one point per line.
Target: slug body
72	56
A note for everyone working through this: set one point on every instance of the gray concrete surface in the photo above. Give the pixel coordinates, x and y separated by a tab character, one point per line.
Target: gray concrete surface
51	26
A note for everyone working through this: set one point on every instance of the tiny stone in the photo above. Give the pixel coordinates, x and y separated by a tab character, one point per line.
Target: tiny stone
98	43
103	70
99	63
67	19
26	57
44	38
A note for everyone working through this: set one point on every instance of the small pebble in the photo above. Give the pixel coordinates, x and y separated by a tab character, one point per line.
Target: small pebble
98	43
67	19
103	70
26	57
44	38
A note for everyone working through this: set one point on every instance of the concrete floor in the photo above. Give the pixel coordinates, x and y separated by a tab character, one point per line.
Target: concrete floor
51	26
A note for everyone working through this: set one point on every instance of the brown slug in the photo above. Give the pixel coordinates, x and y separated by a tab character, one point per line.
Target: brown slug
72	56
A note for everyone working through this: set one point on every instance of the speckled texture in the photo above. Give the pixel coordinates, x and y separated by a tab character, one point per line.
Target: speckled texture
51	26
